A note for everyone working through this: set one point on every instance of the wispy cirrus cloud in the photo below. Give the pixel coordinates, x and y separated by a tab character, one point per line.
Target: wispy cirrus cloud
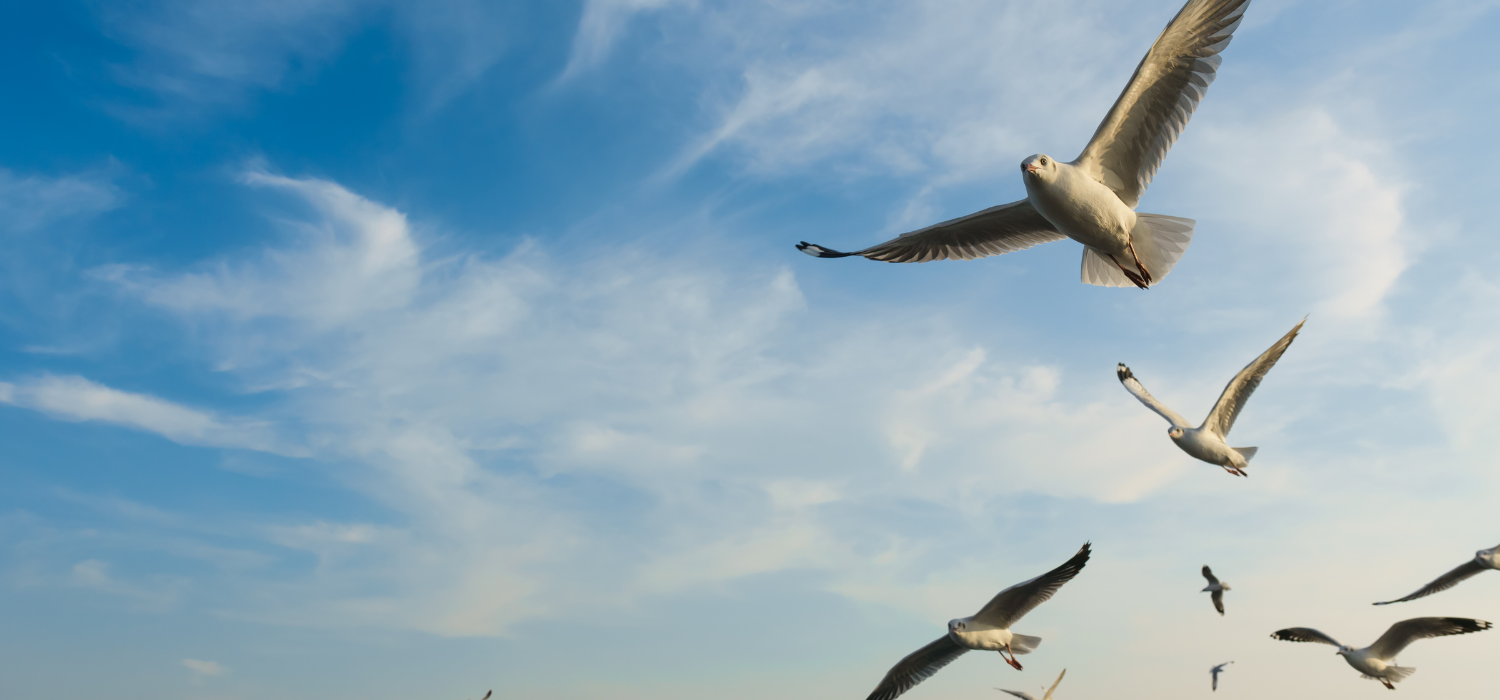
75	398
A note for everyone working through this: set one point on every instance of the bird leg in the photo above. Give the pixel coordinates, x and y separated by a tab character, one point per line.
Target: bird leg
1387	684
1012	660
1235	470
1138	264
1130	274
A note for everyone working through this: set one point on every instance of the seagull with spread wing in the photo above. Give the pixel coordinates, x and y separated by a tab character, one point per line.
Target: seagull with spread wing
1483	559
1215	671
1378	661
1045	696
1207	441
1092	200
1215	589
986	630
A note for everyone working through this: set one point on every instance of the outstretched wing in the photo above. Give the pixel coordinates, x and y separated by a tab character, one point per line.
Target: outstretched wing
1218	597
1304	634
1013	603
1407	631
1018	693
1444	582
918	666
1209	574
1239	389
1156	104
1134	387
1003	229
1055	683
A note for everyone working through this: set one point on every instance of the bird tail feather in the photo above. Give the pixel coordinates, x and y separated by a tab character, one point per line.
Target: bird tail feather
1023	644
1159	240
1099	271
1247	452
1396	674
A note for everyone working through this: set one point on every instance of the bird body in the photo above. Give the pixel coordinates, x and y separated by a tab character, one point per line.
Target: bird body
1093	199
1215	671
986	630
1208	442
1078	206
1215	589
1378	661
1483	560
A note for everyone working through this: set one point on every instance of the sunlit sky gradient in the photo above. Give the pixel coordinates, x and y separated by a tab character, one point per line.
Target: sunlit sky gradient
389	349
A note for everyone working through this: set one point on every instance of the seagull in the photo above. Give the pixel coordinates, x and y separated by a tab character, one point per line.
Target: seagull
986	630
1215	671
1027	696
1092	200
1206	442
1483	559
1377	661
1216	592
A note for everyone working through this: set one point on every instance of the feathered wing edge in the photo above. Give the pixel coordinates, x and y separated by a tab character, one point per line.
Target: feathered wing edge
1442	583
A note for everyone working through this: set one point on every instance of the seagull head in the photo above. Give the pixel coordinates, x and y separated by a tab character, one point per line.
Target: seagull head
1174	432
956	625
1039	166
1487	556
1344	650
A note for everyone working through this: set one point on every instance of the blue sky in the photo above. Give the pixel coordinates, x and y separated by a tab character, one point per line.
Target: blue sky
386	349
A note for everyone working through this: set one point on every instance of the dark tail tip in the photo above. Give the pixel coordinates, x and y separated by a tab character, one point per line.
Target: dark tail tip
818	251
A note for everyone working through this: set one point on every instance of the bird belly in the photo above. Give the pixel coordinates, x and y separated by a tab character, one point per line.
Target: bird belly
1084	210
1370	666
984	639
1208	448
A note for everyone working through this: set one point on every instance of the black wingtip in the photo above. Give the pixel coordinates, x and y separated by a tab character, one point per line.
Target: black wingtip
1123	372
818	251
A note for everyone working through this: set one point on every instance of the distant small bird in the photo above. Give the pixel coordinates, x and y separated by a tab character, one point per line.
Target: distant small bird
1092	200
1483	559
1215	589
1215	671
1207	442
986	630
1378	661
1028	696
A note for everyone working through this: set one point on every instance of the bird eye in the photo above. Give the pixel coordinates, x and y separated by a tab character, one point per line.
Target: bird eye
1044	160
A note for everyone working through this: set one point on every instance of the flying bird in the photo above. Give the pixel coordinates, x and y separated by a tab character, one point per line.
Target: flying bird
1092	200
1207	441
1483	559
1216	591
1028	696
1378	661
1215	671
986	630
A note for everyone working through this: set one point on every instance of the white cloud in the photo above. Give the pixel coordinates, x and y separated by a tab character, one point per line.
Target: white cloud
32	202
75	398
602	23
198	55
207	668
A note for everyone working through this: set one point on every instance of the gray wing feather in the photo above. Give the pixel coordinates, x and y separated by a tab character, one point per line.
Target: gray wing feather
1013	603
1003	229
1134	387
918	666
1444	582
1160	98
1239	389
1218	598
1304	634
1405	632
